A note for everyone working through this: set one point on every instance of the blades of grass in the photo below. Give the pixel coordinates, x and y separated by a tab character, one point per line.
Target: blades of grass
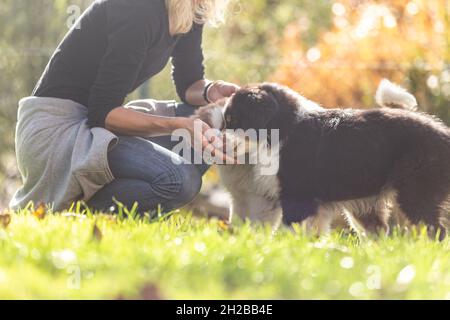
147	217
78	208
159	210
134	211
162	217
132	214
120	210
29	207
72	207
87	210
50	209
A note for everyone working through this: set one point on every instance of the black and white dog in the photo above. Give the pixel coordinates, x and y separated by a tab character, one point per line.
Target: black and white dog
358	163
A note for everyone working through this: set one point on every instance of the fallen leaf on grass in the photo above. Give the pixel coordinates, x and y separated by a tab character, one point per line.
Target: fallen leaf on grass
225	226
40	212
96	232
148	292
5	219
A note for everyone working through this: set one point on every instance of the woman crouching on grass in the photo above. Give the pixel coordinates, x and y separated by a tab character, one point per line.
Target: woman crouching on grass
76	141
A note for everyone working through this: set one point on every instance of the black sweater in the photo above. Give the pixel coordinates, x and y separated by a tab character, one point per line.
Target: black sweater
116	46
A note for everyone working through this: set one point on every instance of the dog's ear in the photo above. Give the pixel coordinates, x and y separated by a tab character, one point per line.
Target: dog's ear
254	108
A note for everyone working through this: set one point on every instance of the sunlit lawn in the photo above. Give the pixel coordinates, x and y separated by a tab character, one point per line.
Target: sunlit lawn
61	256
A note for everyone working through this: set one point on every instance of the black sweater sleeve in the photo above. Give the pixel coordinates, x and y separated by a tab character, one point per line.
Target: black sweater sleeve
129	37
187	61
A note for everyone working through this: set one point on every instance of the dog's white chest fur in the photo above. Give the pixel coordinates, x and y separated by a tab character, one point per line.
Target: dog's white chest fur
255	196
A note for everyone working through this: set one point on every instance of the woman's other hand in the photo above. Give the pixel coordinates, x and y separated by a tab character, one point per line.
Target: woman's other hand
220	90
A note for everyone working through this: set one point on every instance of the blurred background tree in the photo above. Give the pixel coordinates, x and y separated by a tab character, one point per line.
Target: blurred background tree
29	32
405	41
334	52
247	48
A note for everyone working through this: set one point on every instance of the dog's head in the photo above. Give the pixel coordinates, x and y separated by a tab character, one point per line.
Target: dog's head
251	107
260	106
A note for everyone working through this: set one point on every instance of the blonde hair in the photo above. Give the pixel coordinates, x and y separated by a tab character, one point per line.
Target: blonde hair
184	13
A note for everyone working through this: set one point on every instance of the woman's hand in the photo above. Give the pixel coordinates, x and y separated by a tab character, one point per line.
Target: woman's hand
221	89
195	94
205	140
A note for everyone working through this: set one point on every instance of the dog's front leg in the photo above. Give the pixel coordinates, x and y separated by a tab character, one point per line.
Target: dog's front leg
308	213
256	208
297	210
320	223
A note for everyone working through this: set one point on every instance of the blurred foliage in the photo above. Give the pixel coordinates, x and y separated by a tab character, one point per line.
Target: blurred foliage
333	52
405	41
247	48
29	32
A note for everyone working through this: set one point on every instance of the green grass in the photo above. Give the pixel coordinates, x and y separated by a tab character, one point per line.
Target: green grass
184	257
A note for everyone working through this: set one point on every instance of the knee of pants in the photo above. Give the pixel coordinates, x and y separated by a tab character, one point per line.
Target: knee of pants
189	183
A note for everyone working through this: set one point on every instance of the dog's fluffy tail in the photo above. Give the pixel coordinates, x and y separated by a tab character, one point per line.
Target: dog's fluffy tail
390	95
